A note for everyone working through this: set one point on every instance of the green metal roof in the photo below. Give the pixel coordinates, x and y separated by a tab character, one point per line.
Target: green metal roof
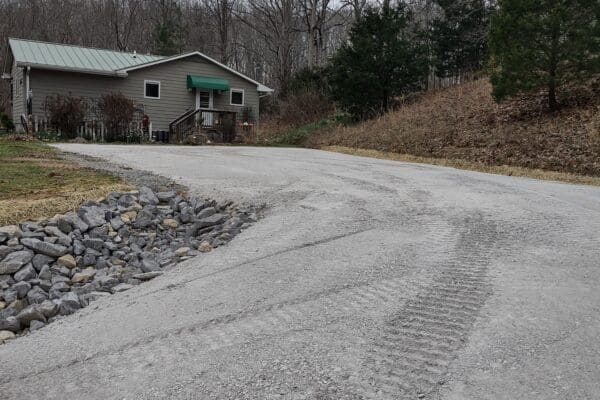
207	82
75	58
65	57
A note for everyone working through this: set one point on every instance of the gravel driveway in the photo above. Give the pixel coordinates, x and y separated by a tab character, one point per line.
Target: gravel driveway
366	279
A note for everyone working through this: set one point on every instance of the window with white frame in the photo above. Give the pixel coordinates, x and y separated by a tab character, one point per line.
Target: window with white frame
237	97
152	89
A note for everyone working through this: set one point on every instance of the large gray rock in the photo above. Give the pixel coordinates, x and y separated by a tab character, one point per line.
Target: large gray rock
147	196
35	325
37	295
101	263
29	314
214	219
78	247
63	239
64	225
21	288
45	284
48	308
165	197
49	249
198	205
45	273
93	216
206	212
11	231
149	265
116	223
94	243
6	281
10	295
99	232
14	261
36	235
186	215
6	250
26	273
144	219
68	303
126	200
39	260
107	282
89	259
73	221
30	226
61	283
10	324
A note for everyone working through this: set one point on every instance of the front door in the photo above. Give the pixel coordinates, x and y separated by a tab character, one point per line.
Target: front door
204	101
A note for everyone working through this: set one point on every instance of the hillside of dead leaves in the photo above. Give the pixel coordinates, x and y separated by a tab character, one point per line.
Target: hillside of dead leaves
464	122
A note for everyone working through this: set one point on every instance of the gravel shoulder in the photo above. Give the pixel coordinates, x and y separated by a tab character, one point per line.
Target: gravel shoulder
134	177
365	279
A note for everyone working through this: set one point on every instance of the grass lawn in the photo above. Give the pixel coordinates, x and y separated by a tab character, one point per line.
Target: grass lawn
36	182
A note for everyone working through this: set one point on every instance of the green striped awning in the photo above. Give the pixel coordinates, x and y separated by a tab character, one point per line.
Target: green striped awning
207	82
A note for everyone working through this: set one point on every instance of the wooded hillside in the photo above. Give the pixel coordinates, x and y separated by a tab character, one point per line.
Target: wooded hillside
465	123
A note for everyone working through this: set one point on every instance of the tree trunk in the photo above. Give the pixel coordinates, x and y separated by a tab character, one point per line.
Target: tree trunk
552	103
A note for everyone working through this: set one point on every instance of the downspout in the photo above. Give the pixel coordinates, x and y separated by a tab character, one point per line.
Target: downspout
28	110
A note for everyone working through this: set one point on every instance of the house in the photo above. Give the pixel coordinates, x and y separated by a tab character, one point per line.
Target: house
172	93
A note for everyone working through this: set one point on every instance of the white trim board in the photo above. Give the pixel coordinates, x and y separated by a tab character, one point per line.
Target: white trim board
231	90
146	81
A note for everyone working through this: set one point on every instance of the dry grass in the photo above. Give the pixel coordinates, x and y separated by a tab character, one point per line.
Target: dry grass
35	182
471	166
464	124
21	209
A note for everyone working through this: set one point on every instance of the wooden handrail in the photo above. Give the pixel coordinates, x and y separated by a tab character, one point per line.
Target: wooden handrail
183	116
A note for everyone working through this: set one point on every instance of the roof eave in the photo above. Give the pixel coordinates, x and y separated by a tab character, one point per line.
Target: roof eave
263	89
119	74
259	86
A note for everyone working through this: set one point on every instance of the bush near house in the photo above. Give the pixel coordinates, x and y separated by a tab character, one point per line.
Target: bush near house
304	100
6	122
65	113
117	113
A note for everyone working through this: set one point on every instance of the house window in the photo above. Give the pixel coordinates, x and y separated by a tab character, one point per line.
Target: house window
152	89
237	97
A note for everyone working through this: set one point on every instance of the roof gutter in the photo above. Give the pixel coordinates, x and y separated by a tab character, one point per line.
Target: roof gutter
119	74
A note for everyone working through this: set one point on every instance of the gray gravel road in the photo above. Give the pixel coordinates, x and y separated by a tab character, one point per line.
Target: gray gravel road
366	279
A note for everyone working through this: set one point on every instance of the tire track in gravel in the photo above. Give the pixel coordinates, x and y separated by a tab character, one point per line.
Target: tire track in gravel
410	358
294	315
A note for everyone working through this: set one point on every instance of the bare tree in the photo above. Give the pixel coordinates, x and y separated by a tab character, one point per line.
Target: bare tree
276	23
268	40
317	17
123	17
357	7
221	13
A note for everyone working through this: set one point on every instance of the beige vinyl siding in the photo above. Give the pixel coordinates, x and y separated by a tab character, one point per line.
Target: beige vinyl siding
18	88
174	100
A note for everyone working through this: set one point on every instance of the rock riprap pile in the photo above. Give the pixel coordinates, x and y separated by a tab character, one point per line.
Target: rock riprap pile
55	267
